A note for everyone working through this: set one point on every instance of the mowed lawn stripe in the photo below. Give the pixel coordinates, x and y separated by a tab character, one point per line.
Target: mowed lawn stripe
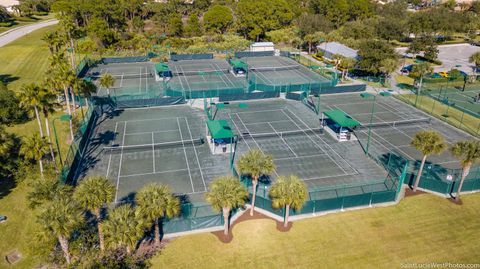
420	229
25	58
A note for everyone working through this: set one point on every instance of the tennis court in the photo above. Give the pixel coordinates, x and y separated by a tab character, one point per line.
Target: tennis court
130	79
276	73
458	98
203	78
165	145
290	132
393	126
139	146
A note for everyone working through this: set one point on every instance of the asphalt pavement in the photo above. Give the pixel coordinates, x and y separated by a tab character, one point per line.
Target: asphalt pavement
12	35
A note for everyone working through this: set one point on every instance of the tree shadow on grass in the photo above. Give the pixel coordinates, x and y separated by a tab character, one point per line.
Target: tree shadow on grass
6	78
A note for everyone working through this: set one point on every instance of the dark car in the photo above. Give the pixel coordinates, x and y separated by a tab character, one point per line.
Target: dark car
407	69
3	218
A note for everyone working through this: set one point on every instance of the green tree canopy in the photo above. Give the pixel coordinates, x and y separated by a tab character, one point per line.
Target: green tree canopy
288	192
193	27
256	17
373	55
218	19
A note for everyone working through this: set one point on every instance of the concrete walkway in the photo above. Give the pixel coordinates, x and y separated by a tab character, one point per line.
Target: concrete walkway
14	34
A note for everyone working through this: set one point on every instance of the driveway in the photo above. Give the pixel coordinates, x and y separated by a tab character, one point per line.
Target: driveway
452	56
12	35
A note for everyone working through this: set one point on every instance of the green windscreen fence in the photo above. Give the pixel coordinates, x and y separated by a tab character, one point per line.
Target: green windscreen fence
339	197
202	56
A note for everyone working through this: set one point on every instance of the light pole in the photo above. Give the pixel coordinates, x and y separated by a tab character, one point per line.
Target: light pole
63	118
369	95
374	96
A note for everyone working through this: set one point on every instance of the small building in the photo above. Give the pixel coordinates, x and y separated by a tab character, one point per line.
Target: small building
9	5
262	46
334	48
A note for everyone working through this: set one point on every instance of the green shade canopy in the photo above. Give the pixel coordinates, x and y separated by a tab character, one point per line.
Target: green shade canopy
65	117
239	64
161	67
219	129
385	94
341	118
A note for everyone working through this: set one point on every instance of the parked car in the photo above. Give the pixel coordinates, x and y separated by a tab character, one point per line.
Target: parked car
443	74
436	75
407	68
3	218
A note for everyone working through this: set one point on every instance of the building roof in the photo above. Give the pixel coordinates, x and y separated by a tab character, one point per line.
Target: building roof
219	129
341	118
8	3
262	44
239	64
338	48
161	67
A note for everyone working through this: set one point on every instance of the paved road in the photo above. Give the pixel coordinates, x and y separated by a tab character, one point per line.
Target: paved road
16	33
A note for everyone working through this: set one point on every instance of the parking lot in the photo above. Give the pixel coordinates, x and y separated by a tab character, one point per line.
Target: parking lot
452	56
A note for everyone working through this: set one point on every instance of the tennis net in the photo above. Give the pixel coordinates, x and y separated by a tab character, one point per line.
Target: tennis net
150	147
201	72
280	134
393	124
275	68
124	76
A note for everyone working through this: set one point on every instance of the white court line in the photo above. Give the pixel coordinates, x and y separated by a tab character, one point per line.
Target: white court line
146	79
259	111
321	139
300	157
140	81
260	73
154	173
196	155
121	80
157	119
226	84
283	140
110	157
379	136
185	153
254	141
156	132
179	79
265	122
186	80
153	151
120	165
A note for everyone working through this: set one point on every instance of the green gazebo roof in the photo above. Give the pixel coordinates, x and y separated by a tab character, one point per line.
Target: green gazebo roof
162	67
239	64
341	118
219	129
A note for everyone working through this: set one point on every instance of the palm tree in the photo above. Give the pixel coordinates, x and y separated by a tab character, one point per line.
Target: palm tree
60	219
427	142
86	88
62	76
468	153
107	81
53	41
48	105
123	228
93	194
155	202
475	59
255	164
419	71
6	141
347	64
288	191
30	97
388	66
226	193
35	147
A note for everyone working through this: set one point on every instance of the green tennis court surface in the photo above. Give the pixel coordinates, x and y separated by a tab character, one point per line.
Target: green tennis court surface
130	79
139	146
464	100
395	124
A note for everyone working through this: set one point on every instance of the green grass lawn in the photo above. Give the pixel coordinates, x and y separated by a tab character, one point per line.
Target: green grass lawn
25	59
443	112
18	233
423	228
22	21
